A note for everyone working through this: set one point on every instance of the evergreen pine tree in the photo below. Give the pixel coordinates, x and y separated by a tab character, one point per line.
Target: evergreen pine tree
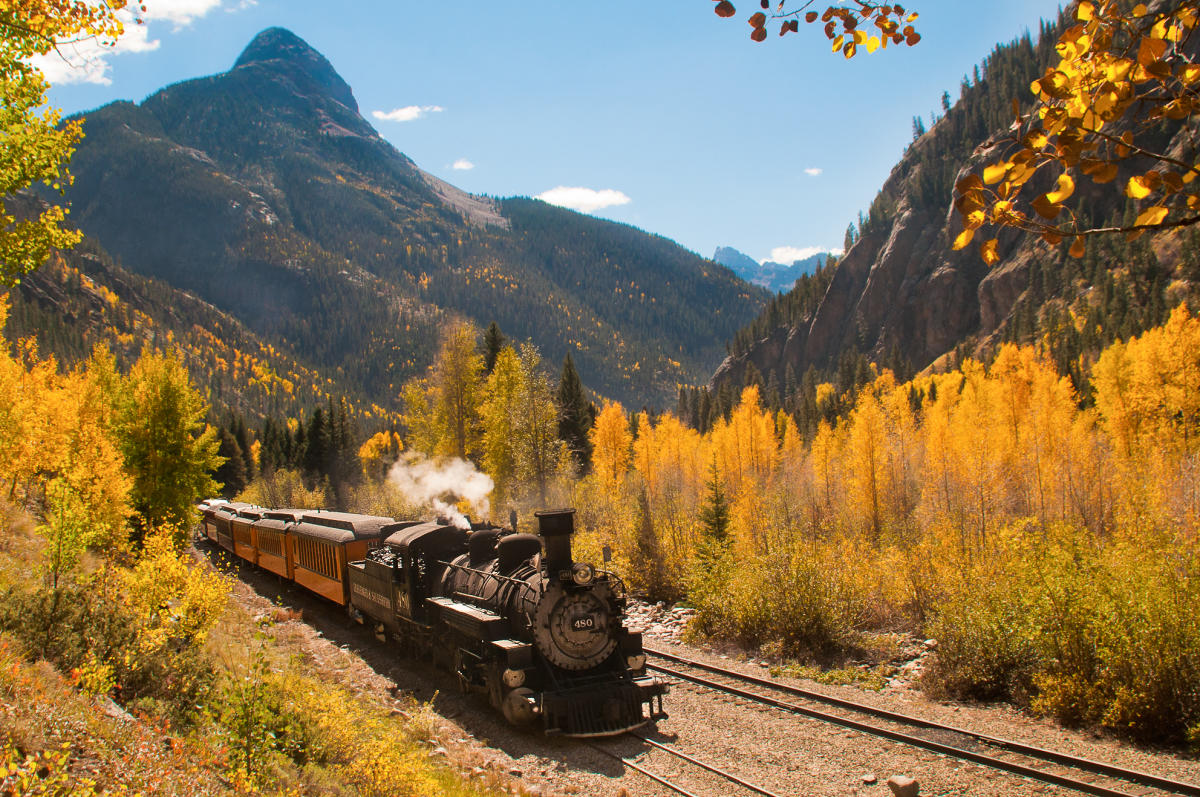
317	445
493	342
574	419
714	518
230	474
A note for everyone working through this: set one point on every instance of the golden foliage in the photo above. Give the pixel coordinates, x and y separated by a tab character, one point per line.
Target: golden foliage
1122	75
987	506
611	441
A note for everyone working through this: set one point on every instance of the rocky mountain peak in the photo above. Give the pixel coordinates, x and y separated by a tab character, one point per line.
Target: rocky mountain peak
279	48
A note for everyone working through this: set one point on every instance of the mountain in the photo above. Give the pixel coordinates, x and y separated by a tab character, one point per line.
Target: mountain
775	277
901	298
264	192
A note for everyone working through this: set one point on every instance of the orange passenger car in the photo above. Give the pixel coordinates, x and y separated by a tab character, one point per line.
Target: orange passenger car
208	524
323	542
222	517
273	542
242	526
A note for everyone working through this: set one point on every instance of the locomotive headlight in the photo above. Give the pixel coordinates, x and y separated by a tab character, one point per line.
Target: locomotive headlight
582	574
636	662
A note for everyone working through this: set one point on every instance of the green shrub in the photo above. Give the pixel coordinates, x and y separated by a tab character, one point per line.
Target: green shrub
800	602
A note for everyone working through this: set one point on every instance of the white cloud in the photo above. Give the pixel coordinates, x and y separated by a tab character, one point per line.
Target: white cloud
462	165
585	200
813	171
85	61
790	254
180	12
407	113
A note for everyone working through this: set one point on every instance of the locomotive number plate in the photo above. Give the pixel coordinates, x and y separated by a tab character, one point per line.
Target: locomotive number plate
583	623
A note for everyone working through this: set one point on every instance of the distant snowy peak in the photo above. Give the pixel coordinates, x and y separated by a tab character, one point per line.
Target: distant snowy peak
776	277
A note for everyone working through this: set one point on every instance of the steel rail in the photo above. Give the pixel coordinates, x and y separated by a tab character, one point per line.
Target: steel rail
904	738
703	765
690	759
637	768
1051	756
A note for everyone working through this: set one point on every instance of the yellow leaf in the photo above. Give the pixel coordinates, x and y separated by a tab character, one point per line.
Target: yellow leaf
1139	10
1078	248
1086	12
1151	51
872	44
1066	187
1137	188
988	250
995	173
963	240
1152	216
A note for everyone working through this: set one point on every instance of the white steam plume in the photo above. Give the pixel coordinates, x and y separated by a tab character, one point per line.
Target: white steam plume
441	484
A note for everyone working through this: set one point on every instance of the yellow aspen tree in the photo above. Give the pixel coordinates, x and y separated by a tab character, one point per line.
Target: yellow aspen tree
668	458
37	143
611	441
377	454
866	454
499	410
535	428
941	496
422	423
973	443
457	380
901	491
824	454
1112	381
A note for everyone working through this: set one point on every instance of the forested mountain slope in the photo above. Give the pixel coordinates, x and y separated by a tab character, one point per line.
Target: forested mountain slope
81	298
900	297
265	192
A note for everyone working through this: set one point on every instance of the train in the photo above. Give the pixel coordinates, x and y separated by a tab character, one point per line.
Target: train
512	615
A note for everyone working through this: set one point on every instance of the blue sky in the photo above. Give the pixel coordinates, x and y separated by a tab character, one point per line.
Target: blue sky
666	116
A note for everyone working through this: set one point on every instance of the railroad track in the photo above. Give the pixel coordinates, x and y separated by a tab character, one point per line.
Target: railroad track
1010	756
724	775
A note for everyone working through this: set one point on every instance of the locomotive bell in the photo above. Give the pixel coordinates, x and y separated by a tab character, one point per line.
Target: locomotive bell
556	527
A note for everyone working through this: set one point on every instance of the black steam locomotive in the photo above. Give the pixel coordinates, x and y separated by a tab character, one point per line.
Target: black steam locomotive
512	615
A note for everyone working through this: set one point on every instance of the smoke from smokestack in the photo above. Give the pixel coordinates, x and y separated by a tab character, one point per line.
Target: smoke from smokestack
442	483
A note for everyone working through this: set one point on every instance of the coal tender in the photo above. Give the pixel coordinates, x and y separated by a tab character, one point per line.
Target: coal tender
515	618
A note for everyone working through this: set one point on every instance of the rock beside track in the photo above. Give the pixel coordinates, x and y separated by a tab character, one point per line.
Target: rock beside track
658	620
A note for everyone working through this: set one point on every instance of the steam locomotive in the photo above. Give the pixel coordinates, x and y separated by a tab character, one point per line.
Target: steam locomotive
513	616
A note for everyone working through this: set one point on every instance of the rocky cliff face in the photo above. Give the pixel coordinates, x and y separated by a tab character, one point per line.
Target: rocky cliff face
901	295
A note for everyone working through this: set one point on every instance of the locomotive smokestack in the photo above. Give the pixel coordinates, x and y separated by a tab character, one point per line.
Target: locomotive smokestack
556	527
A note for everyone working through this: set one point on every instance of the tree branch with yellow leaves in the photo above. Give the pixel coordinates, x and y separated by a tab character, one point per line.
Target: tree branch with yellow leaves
34	146
1124	73
848	28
